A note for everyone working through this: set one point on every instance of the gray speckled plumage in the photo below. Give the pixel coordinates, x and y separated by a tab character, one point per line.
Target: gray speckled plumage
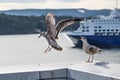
90	49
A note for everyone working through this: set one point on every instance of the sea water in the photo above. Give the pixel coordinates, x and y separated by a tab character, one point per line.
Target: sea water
28	49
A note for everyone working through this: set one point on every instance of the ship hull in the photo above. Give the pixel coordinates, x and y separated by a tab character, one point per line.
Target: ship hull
99	41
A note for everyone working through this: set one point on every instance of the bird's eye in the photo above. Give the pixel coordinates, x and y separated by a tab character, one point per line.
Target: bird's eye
84	38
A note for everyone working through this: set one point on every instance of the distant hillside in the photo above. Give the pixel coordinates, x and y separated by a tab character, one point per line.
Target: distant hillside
12	24
30	21
58	12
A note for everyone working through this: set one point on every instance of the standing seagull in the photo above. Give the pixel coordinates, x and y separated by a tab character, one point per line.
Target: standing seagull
53	30
90	49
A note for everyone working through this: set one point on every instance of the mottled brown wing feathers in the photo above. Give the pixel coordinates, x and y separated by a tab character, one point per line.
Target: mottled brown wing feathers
93	49
64	23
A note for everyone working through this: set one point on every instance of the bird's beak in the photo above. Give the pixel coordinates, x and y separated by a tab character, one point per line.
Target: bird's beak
81	38
39	36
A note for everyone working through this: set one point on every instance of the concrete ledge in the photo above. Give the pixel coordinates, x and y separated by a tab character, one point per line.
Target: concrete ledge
80	75
37	75
95	71
20	76
62	71
59	73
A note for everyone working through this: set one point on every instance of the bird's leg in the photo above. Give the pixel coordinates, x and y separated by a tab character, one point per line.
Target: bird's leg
89	58
47	49
92	58
50	49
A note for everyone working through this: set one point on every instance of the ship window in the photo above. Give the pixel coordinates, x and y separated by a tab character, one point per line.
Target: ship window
87	30
99	30
95	26
112	30
83	30
83	27
87	27
96	33
95	30
108	30
99	26
103	29
117	30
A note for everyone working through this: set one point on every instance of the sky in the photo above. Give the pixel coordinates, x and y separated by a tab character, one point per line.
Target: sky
57	4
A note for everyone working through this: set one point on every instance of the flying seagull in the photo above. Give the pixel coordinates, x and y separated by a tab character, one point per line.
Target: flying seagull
90	49
53	30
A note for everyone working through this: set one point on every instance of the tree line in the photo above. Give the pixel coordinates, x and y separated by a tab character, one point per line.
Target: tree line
12	24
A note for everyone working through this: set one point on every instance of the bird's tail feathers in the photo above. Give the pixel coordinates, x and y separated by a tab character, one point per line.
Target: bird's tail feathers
57	48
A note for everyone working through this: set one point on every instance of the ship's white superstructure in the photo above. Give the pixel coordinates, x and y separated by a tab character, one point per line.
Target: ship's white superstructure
101	31
102	25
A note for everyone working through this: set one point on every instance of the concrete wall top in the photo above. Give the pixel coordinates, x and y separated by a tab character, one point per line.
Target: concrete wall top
101	69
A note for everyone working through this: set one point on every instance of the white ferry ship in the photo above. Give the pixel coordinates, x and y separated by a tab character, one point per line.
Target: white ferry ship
102	31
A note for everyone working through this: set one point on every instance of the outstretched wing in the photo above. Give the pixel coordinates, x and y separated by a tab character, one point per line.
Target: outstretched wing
50	21
64	23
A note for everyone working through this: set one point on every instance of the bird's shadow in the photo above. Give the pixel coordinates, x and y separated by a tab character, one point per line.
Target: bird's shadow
102	64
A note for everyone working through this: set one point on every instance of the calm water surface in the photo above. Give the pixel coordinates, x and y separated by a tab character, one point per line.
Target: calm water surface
28	49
